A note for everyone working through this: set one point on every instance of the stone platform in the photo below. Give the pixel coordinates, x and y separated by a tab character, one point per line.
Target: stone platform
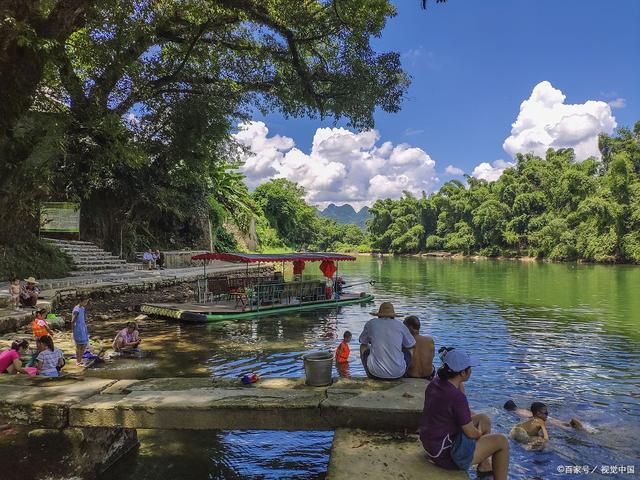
375	422
357	454
200	404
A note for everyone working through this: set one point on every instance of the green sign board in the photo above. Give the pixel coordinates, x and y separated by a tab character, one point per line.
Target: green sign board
60	217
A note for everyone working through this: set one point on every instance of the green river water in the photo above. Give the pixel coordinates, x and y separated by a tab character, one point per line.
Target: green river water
566	334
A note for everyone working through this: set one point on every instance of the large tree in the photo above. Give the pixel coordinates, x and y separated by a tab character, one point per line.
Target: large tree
98	88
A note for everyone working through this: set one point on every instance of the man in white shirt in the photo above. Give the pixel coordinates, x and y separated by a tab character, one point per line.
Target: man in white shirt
149	259
386	345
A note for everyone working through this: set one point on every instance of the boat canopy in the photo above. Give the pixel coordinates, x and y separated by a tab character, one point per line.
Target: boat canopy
274	257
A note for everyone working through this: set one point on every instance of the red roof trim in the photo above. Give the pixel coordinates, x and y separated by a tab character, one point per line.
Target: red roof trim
276	257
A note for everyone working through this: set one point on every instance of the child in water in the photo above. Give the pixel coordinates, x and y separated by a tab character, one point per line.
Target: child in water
343	350
529	432
511	406
342	355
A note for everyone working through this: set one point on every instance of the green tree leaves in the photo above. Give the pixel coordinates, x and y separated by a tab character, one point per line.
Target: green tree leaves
546	207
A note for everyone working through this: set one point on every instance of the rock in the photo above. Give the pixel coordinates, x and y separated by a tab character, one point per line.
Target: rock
141	318
103	317
57	322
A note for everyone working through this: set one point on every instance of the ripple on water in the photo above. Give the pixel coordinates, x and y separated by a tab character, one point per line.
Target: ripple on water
557	333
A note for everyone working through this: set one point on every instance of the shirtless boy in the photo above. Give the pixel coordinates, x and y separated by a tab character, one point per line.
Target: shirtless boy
523	412
421	365
529	432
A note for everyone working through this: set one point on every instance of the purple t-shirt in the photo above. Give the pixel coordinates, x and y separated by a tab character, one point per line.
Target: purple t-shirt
446	410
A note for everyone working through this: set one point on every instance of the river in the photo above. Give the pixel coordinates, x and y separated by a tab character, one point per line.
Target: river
565	334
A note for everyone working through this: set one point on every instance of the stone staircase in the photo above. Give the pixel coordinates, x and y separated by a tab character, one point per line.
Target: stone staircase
89	259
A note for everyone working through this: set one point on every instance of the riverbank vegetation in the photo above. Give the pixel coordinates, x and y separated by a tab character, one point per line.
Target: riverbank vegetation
127	108
552	207
286	221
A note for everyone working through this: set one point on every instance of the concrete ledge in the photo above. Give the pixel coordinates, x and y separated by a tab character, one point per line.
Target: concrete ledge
196	409
375	405
200	403
356	454
44	401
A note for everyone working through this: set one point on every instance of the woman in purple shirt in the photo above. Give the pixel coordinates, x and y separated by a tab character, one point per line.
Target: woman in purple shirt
452	437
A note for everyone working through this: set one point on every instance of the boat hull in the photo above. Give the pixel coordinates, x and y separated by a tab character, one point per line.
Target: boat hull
199	314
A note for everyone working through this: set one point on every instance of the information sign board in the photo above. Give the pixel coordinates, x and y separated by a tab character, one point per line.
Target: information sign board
60	217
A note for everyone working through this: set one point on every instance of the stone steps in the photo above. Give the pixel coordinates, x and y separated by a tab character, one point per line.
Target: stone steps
101	266
81	273
89	258
58	241
99	261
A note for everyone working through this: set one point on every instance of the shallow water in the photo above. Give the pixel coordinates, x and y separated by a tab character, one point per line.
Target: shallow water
565	334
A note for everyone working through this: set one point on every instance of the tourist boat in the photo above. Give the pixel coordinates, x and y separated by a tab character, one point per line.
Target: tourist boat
228	297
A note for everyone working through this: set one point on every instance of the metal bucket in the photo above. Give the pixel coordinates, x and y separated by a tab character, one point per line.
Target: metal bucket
317	368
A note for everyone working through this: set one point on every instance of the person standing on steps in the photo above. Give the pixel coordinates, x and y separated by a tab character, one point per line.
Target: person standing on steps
80	331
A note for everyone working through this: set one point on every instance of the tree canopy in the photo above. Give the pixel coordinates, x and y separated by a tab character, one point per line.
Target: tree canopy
128	107
552	207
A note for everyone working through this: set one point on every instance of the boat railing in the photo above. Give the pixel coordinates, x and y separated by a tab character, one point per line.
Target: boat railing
272	293
257	292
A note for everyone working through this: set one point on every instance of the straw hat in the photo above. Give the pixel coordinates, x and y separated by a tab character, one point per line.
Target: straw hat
31	280
385	310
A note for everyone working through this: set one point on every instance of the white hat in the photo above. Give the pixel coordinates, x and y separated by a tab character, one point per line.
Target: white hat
458	360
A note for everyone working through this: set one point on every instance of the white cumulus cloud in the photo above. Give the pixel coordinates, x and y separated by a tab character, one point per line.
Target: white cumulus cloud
451	170
341	167
546	121
491	172
618	103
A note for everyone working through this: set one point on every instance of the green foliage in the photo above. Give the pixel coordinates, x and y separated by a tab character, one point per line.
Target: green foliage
128	107
223	241
32	256
336	237
286	222
461	239
267	236
282	203
548	207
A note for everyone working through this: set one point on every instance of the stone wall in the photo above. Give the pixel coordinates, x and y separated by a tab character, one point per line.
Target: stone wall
181	259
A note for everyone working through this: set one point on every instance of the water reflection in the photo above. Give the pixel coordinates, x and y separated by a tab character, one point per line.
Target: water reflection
227	455
564	334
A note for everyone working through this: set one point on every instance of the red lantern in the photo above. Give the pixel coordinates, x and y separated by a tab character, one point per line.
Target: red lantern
328	268
298	267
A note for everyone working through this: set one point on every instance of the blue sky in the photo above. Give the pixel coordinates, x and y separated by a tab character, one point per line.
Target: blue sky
472	64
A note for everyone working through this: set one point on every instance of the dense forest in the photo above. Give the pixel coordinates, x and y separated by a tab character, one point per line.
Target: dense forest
552	207
127	108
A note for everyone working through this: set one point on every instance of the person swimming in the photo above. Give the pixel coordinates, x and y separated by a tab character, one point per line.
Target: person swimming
533	432
573	422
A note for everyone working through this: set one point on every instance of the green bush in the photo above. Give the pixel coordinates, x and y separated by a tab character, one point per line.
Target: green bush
223	241
33	257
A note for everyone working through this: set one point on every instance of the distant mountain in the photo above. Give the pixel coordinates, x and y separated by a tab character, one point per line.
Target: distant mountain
346	214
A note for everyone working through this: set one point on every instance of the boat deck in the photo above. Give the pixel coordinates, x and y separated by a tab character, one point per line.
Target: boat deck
230	309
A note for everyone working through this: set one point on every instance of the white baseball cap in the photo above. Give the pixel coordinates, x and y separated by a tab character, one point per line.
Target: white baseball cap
458	360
